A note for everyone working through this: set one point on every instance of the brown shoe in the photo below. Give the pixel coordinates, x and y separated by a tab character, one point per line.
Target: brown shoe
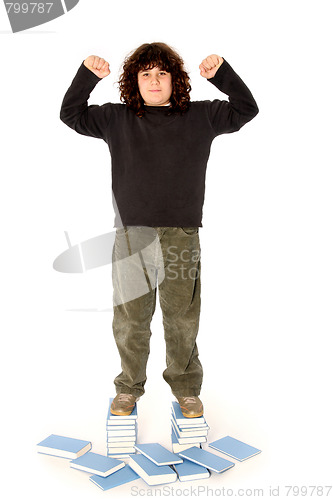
123	404
191	406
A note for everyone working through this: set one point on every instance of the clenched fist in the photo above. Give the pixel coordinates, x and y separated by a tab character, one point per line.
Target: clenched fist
98	66
210	65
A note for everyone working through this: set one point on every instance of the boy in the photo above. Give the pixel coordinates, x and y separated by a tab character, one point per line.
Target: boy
159	143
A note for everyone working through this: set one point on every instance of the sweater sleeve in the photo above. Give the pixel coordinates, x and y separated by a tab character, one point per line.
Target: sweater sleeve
77	114
230	116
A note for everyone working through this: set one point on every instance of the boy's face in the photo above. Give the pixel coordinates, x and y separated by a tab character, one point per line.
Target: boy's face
155	86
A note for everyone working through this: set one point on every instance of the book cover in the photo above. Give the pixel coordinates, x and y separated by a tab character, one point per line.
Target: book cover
97	464
234	448
158	454
181	420
206	459
64	447
151	473
188	471
122	476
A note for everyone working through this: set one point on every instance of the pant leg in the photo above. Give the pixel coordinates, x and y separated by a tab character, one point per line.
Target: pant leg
179	295
134	294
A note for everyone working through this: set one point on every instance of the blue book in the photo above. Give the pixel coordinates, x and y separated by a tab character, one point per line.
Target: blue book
181	420
206	459
188	471
111	417
158	454
234	448
151	473
64	447
97	464
122	476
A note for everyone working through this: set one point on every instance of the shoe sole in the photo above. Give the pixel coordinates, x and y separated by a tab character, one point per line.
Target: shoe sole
190	415
193	416
121	414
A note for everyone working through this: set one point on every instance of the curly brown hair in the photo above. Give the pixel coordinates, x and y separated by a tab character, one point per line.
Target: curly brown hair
148	56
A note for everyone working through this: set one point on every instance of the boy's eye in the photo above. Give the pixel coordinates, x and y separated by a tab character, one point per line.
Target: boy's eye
161	73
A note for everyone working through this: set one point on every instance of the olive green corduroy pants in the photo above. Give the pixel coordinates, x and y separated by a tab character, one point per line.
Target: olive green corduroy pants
146	259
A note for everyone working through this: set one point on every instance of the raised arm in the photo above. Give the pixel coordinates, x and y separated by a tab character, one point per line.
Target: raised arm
228	116
86	120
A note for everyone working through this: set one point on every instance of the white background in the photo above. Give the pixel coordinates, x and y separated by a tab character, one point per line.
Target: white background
266	324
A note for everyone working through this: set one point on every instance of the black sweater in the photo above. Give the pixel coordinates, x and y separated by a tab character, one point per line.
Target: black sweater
159	161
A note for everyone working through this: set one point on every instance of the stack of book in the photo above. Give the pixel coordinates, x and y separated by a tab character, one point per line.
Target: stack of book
186	432
121	433
157	465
